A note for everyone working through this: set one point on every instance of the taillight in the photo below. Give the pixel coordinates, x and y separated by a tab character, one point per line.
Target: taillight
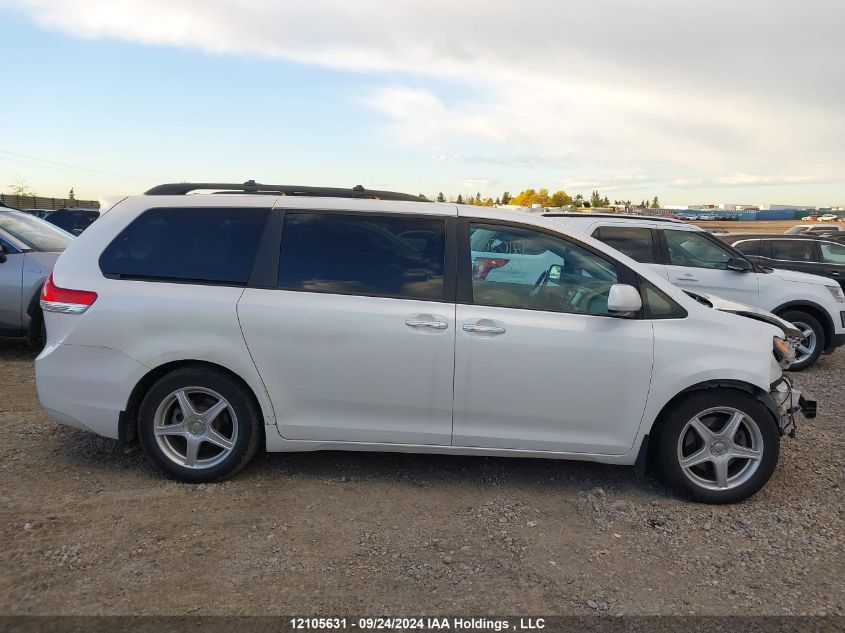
55	299
481	266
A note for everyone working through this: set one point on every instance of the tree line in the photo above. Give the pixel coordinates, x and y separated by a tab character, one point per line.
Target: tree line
542	197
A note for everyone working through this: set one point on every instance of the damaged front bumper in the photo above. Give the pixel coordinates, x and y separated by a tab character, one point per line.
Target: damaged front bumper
788	401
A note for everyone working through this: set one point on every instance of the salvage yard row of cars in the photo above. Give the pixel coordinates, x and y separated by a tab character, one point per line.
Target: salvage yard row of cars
207	327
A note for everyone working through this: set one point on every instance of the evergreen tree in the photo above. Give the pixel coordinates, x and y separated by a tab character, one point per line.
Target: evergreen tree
506	197
655	204
497	200
460	199
441	197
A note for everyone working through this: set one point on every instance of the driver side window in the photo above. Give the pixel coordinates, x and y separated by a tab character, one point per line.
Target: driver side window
687	248
521	268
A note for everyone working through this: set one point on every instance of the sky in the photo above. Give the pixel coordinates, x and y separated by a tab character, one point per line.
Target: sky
695	102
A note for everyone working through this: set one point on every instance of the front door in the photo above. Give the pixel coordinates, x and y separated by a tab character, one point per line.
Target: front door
698	263
540	364
356	343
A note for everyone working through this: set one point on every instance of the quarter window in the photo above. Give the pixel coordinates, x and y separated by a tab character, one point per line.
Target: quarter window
358	254
212	245
832	253
521	268
689	248
794	250
637	243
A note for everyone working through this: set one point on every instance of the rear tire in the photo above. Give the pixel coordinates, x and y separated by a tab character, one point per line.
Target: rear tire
812	344
717	446
198	424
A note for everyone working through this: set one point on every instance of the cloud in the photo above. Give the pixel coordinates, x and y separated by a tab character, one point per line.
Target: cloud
718	93
477	183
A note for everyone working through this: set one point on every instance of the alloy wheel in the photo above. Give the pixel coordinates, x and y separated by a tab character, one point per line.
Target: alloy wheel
195	427
720	448
807	346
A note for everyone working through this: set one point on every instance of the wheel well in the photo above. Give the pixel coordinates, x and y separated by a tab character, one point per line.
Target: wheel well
737	385
127	429
815	311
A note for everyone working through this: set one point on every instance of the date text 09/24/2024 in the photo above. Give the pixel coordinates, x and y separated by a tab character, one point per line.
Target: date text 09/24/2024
415	623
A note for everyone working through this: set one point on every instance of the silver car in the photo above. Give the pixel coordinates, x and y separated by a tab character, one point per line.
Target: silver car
29	247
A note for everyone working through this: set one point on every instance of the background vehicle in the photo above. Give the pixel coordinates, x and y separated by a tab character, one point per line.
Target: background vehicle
816	229
29	248
814	254
692	259
322	319
72	220
828	217
38	213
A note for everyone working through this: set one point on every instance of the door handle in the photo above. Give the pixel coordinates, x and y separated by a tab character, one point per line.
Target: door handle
483	329
835	273
686	278
434	325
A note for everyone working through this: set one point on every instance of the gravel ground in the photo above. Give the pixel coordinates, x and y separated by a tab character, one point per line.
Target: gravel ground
87	530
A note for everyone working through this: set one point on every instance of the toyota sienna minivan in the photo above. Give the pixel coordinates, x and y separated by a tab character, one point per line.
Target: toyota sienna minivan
211	325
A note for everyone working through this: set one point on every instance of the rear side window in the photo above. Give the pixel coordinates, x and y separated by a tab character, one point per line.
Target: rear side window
357	254
794	250
636	242
748	247
212	245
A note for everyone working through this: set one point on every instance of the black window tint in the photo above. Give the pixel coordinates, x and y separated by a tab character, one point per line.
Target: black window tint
794	250
363	255
637	243
748	247
206	245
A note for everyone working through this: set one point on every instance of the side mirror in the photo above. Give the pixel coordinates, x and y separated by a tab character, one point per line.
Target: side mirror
739	265
623	300
555	272
2	254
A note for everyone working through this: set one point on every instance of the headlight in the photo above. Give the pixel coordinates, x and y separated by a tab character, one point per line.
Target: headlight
783	351
836	291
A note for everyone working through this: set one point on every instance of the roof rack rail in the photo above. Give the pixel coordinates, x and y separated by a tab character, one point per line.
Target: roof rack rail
618	216
250	186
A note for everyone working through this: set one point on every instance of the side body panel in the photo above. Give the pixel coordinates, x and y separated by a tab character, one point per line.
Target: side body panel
349	368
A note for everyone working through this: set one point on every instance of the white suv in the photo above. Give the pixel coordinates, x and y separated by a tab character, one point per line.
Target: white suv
690	258
301	319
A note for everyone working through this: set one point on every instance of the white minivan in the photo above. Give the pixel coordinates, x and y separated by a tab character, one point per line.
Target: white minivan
301	319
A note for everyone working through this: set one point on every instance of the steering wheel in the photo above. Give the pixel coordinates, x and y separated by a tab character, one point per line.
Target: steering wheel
588	295
541	283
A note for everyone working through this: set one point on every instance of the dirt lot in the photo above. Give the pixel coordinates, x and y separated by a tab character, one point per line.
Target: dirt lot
86	530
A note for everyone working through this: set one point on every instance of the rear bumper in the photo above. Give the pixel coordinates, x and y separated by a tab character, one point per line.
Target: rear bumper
86	387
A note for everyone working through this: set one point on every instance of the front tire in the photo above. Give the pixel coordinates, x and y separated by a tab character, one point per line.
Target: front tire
717	446
198	424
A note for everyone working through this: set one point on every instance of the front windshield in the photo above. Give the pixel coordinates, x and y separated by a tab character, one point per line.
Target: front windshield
34	232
